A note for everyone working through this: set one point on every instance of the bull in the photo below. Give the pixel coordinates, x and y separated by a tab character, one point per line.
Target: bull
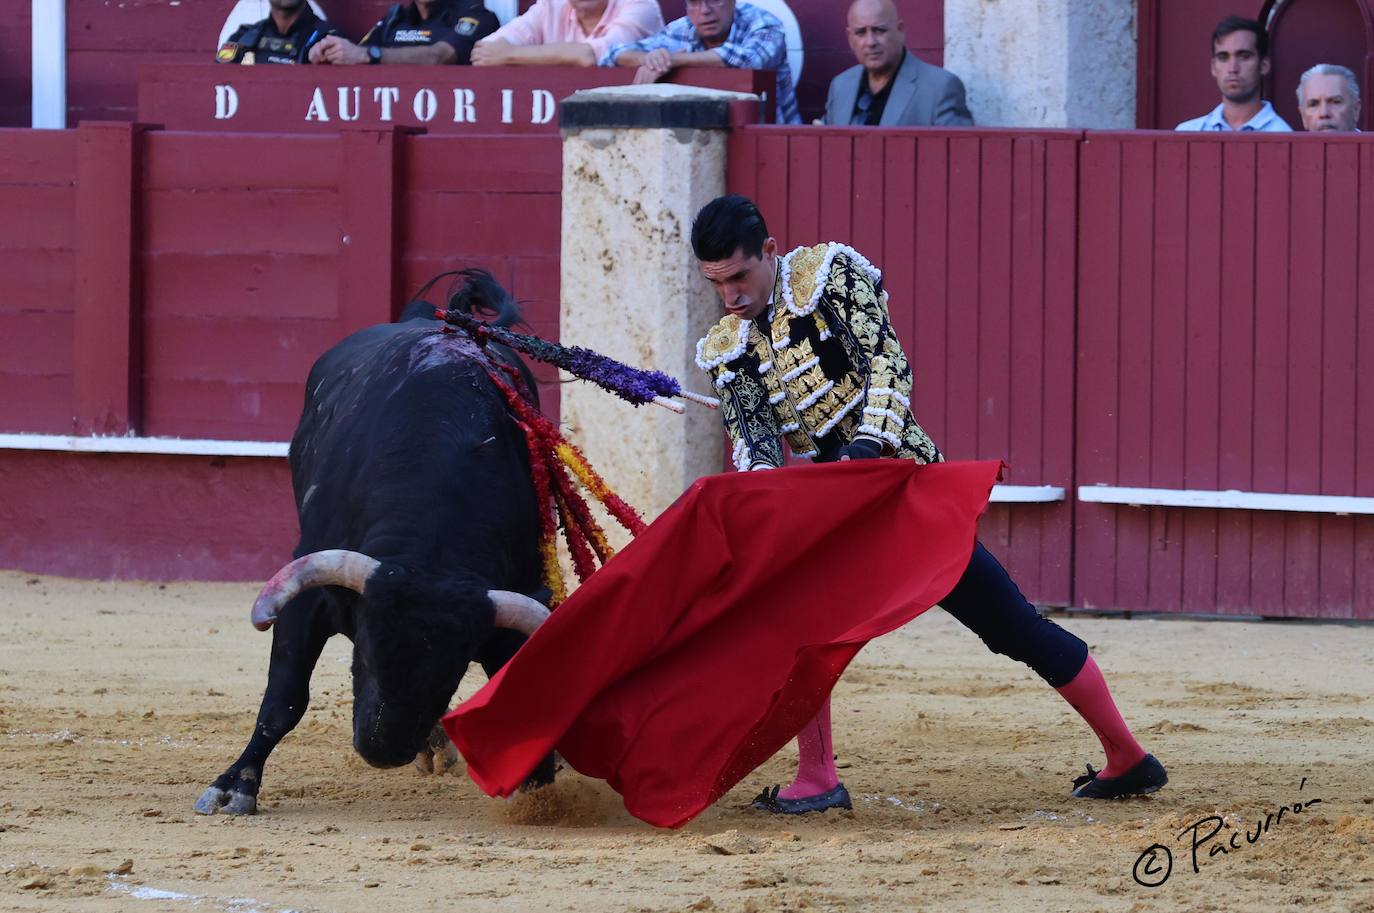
419	539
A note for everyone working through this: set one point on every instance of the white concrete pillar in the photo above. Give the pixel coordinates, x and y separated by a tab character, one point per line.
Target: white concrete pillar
638	163
49	43
1064	64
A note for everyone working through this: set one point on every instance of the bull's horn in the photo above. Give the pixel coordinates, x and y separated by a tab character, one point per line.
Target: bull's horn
517	611
332	567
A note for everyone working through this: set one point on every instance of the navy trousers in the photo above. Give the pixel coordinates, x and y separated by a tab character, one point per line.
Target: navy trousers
987	602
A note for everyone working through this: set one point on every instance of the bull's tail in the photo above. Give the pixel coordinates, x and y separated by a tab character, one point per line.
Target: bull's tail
479	294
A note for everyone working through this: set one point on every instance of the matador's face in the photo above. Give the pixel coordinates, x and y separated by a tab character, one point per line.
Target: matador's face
744	283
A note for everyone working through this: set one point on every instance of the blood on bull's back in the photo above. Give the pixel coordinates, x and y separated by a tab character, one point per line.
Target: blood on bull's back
405	446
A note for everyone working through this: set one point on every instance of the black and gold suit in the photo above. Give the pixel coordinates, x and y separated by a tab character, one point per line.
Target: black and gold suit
820	367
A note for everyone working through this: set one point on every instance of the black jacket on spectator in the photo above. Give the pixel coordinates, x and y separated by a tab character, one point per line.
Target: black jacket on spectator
262	43
458	23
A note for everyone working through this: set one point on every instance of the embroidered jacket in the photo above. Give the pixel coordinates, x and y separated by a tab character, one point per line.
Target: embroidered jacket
820	367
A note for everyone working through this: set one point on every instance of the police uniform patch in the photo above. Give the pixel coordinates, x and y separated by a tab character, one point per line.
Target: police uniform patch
227	53
466	26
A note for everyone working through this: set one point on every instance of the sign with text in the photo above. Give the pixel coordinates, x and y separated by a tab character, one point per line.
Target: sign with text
478	100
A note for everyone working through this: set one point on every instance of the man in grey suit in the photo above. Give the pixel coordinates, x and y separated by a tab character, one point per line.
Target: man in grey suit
891	87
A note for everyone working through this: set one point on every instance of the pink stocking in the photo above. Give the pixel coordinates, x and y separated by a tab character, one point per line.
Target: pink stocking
816	759
1088	694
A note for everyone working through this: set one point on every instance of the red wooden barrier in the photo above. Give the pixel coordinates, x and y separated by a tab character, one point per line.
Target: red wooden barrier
321	99
126	516
179	285
1134	310
974	232
38	261
1222	327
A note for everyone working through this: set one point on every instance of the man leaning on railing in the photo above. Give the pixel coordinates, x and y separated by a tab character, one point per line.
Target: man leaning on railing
568	32
715	33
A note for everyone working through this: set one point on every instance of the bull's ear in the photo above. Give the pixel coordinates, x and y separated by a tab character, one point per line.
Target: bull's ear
517	611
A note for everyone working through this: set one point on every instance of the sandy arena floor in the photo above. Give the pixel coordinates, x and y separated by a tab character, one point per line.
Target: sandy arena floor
120	702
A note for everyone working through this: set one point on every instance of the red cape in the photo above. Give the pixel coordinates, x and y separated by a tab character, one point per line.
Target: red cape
707	643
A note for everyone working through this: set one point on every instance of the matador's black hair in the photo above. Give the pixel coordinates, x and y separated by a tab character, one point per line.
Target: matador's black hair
727	224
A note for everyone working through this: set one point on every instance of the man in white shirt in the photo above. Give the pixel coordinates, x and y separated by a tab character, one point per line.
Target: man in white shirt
1240	61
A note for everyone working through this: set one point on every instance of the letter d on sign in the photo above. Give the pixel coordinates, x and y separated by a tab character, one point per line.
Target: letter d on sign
226	102
543	108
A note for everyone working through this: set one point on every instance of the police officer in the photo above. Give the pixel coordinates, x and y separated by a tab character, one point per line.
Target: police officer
286	36
419	32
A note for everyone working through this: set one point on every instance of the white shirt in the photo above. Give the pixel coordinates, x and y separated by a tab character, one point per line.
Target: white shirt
1264	121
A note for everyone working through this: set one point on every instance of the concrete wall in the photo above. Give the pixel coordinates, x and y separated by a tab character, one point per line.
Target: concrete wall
632	290
1045	65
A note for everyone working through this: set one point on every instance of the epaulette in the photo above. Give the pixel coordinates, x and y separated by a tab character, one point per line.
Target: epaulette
723	343
806	270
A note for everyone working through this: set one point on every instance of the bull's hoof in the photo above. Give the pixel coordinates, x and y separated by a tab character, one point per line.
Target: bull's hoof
230	802
438	755
543	774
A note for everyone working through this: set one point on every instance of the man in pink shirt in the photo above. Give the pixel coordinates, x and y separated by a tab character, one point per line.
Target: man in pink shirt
568	32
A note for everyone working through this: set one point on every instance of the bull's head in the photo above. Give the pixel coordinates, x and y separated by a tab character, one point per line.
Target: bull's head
413	639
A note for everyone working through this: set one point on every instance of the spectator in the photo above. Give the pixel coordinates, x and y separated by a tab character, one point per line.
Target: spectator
419	32
1240	61
569	32
285	36
891	86
1329	99
715	33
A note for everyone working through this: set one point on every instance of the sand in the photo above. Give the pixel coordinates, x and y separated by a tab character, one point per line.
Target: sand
120	702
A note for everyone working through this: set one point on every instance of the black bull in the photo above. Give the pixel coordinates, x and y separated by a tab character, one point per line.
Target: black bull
419	533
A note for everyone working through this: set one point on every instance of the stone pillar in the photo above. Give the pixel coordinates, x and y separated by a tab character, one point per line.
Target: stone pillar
638	162
1064	64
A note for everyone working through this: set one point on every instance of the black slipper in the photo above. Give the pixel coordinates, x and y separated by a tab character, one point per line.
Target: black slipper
1145	777
768	801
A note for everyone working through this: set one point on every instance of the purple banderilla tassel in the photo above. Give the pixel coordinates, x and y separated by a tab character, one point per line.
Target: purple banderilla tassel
634	385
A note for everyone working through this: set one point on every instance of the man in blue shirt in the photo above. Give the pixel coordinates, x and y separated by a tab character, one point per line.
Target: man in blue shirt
1240	61
715	33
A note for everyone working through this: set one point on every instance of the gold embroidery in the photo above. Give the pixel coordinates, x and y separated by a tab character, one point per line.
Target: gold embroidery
802	266
721	342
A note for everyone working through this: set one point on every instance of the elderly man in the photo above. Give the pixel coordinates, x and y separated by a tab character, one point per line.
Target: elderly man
715	33
1329	99
891	86
568	32
419	32
1240	61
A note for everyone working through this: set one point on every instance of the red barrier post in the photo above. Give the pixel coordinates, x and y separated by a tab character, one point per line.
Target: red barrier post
369	252
106	384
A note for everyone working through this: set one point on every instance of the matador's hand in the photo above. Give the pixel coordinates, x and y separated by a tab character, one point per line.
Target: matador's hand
861	448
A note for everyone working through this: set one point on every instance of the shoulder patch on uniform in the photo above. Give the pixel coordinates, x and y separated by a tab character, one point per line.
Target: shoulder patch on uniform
806	270
227	53
466	26
802	274
723	343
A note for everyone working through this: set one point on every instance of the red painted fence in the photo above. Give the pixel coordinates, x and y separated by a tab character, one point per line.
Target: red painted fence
1226	341
974	232
180	285
1140	310
1134	310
